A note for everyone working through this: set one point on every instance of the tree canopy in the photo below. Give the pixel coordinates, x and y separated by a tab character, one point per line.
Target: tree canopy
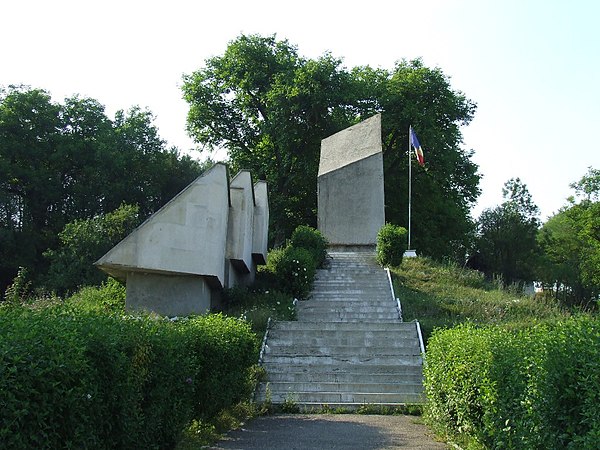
65	161
270	108
506	243
571	245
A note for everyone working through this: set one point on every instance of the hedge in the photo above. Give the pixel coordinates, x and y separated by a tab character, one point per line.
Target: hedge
79	379
391	243
533	388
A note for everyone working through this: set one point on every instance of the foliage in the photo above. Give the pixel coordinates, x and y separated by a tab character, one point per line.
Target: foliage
312	240
506	244
257	305
570	240
441	295
391	244
82	242
109	298
20	289
271	108
72	377
203	433
535	387
60	162
295	271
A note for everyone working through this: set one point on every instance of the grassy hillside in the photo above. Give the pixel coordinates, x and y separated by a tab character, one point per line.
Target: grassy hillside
444	295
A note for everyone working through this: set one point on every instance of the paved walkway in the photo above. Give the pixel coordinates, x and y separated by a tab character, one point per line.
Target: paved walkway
331	431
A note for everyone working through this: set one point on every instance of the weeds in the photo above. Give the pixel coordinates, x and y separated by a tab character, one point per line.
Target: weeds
445	295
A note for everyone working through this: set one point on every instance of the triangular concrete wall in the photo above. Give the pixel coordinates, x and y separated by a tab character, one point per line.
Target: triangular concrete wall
187	236
206	238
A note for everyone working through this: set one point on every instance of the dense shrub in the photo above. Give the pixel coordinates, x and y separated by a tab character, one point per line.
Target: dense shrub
312	240
83	242
537	387
291	269
295	270
391	244
71	377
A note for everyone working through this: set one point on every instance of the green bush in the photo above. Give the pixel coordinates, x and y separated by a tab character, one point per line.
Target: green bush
75	378
312	240
83	242
391	244
295	270
537	387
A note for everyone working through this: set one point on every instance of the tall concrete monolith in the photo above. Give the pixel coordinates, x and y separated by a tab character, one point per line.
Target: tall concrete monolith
350	185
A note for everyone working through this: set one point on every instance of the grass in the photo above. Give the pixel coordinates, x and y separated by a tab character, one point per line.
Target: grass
257	305
444	295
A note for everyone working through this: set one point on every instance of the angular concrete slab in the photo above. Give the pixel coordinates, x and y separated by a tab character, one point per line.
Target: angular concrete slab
350	185
241	222
187	236
351	145
260	238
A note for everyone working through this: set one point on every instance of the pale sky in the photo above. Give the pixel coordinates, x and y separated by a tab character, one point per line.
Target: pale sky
532	66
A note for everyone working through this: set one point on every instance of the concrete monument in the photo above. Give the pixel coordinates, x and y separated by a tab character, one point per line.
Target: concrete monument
350	185
209	236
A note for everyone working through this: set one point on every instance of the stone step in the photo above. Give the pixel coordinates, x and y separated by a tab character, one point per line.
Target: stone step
334	306
390	368
412	375
346	316
387	388
341	326
393	334
341	296
334	360
342	398
308	343
303	350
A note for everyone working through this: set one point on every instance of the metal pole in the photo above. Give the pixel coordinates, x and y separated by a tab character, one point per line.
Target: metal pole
409	183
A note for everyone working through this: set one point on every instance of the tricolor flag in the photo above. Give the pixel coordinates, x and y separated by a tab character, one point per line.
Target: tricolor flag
414	141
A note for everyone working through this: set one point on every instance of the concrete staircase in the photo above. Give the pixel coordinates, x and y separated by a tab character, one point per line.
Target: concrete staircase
348	347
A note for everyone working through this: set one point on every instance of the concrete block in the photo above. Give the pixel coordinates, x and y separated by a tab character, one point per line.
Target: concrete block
350	185
170	295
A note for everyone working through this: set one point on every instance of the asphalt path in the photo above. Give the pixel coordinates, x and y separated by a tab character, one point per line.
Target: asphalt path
331	431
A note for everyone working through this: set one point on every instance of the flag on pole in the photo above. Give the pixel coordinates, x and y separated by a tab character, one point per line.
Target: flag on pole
414	141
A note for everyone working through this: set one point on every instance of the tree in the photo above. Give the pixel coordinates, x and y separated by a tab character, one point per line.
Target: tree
84	241
270	108
62	162
444	191
571	245
506	243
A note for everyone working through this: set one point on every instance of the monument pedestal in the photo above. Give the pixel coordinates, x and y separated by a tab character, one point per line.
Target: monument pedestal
410	254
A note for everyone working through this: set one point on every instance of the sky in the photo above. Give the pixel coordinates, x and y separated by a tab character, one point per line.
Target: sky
531	66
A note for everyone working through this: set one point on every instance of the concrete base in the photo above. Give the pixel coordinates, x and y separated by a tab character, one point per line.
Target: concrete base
167	295
410	254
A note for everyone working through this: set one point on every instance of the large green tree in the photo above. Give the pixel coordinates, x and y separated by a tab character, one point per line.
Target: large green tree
270	108
506	242
571	245
65	161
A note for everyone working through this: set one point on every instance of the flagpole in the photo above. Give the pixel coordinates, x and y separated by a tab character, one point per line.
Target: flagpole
409	184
